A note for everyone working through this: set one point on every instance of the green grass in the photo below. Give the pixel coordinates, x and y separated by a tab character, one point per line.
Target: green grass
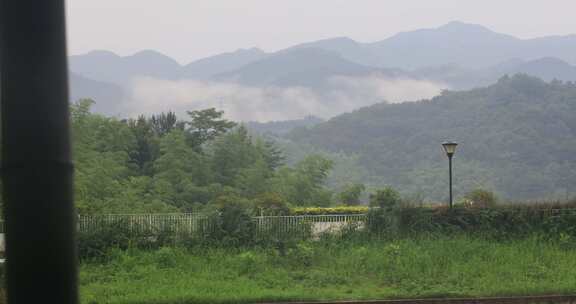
456	266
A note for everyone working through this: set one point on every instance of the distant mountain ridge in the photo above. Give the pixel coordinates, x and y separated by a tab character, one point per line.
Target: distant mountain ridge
456	43
208	67
109	67
298	67
460	78
108	96
456	55
467	45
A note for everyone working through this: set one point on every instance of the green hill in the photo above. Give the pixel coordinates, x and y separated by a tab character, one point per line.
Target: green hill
517	137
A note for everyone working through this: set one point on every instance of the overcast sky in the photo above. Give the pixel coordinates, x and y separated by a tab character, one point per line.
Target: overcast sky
192	29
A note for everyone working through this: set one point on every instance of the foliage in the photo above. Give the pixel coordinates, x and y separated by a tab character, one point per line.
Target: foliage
270	204
480	198
504	222
234	225
161	164
206	125
351	194
518	137
405	268
386	198
303	184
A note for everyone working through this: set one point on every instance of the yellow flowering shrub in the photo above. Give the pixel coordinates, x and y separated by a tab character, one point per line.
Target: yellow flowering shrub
329	210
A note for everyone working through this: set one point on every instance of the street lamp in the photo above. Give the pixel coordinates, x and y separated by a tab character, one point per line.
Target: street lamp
450	148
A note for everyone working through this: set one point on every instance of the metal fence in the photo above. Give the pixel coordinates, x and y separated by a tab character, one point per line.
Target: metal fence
191	223
147	223
306	225
194	223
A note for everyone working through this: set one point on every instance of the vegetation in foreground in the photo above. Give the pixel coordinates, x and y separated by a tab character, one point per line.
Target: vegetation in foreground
421	267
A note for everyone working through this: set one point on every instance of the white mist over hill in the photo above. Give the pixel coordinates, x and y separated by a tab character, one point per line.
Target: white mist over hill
251	103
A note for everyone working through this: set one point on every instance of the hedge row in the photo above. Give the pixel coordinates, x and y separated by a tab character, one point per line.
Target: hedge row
511	221
329	210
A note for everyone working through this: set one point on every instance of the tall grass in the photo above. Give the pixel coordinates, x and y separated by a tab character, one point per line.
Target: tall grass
418	267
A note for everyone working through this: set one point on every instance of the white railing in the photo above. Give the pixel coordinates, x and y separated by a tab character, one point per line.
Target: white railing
306	225
146	223
191	223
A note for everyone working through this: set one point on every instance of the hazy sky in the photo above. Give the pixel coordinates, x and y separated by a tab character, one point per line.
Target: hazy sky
192	29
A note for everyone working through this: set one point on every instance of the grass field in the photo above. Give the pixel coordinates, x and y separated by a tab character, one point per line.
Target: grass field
444	266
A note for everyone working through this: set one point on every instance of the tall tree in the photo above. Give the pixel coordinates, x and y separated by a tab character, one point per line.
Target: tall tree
206	125
163	123
231	153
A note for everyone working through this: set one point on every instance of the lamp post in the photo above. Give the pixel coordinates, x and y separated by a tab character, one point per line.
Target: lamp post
450	148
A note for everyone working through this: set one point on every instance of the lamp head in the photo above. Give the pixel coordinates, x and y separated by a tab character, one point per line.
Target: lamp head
449	147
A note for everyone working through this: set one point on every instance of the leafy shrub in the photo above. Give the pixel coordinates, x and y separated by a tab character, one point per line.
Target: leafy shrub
504	222
383	222
270	204
166	257
102	237
385	218
249	263
480	198
234	225
303	253
387	198
351	194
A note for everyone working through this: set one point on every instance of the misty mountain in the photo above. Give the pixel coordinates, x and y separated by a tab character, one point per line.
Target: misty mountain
281	127
547	68
107	96
331	75
456	43
517	137
346	48
297	67
467	45
109	67
457	77
208	67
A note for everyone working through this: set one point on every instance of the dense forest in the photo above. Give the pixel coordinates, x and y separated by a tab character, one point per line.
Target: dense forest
163	164
517	138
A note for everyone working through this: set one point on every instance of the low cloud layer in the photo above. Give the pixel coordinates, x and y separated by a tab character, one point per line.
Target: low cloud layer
341	94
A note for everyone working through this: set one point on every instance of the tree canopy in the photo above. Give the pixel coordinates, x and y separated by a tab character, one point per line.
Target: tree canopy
162	164
517	137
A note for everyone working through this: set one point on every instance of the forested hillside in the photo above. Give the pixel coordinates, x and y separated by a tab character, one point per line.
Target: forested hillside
163	164
517	137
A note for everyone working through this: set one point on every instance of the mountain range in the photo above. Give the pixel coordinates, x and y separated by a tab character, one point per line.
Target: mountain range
454	56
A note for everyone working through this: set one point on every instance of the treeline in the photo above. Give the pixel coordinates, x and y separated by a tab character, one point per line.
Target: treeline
163	164
517	138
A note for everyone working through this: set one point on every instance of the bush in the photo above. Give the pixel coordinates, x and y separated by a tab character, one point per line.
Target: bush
303	253
233	221
480	198
351	194
166	257
249	263
386	217
102	237
270	204
387	198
